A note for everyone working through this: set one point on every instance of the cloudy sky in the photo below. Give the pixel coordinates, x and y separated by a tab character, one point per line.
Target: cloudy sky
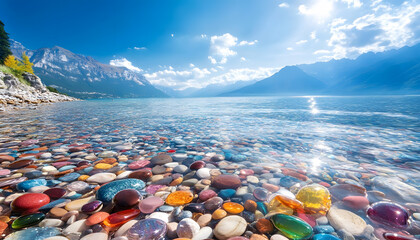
193	43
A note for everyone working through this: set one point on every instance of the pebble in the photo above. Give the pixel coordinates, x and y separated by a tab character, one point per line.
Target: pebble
230	226
107	192
187	228
346	220
147	229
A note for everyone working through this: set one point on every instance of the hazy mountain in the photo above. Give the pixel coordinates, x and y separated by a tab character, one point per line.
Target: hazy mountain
211	90
389	72
288	81
84	77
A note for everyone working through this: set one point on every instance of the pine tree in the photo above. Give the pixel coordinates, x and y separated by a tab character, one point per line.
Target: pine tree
26	64
12	62
4	44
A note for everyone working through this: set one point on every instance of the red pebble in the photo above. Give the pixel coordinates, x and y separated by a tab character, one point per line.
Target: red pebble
356	202
311	220
30	201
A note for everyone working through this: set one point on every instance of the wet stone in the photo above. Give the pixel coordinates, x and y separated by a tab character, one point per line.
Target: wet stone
27	220
127	198
107	192
291	226
179	198
147	229
391	214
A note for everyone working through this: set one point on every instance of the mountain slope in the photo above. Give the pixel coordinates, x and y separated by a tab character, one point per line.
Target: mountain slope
84	77
391	72
288	81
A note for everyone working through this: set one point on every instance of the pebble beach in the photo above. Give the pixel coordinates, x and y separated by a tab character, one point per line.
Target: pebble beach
108	170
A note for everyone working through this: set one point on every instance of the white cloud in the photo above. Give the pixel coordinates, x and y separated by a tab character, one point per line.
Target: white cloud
243	59
289	49
320	9
353	3
172	35
322	52
123	62
301	42
283	5
203	36
313	35
140	48
221	47
243	43
379	31
192	65
201	77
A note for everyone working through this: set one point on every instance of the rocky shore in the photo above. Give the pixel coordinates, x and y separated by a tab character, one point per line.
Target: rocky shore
16	95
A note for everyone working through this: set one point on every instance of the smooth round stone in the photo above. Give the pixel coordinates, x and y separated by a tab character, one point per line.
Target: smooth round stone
30	201
55	193
323	236
122	231
252	179
147	229
4	172
187	228
69	177
108	191
96	236
233	208
96	218
20	164
250	205
101	178
219	214
390	214
127	198
75	228
230	226
291	226
77	186
343	219
395	189
51	223
33	174
138	164
48	169
27	220
315	198
78	204
179	198
142	174
204	220
160	215
197	165
340	191
226	193
119	218
180	169
195	208
150	204
278	237
264	226
204	233
260	193
92	207
323	229
226	182
213	203
166	208
152	189
26	185
203	173
206	194
57	212
161	159
356	202
34	233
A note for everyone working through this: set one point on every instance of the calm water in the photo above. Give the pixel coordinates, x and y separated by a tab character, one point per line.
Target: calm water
353	134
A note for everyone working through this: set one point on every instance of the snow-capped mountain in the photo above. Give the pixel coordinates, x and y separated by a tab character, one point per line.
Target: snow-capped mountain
84	77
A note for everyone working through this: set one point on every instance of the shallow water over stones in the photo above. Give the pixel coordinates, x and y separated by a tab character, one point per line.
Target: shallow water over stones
239	169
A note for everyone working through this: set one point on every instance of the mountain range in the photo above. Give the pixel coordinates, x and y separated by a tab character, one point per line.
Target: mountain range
391	72
84	77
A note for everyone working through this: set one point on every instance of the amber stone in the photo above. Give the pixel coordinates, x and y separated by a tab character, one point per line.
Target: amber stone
20	164
219	214
264	226
119	218
179	198
233	208
250	205
315	198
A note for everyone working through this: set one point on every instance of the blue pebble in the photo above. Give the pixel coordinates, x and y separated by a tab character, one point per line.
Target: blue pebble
238	158
69	177
74	196
323	229
87	170
288	181
183	214
166	208
107	192
323	236
33	174
28	184
226	193
262	208
52	204
65	168
35	233
52	182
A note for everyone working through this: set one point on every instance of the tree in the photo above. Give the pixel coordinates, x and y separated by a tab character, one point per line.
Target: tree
26	64
12	62
4	44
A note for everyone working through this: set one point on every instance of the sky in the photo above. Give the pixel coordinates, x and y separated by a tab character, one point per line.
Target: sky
194	43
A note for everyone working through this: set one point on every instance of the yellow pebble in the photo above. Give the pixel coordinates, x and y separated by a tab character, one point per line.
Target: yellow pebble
179	198
103	166
219	214
83	177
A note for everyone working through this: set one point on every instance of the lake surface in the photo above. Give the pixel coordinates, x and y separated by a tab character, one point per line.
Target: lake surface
363	141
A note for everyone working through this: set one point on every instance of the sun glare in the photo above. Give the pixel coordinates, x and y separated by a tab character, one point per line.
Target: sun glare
321	9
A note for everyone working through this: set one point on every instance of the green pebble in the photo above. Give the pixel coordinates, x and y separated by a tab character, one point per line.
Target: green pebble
292	227
28	220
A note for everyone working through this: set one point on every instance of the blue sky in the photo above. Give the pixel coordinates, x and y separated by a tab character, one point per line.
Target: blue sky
193	43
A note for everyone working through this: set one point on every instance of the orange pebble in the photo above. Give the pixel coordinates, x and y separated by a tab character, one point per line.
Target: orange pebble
179	198
250	205
219	214
83	177
96	218
3	226
264	226
233	208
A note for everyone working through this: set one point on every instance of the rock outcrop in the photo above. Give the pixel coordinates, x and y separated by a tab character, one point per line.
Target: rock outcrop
15	94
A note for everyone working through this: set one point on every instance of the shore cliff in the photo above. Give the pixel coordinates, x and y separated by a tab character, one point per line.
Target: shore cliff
26	93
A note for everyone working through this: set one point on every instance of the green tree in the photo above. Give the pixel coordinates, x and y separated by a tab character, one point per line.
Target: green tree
26	64
4	44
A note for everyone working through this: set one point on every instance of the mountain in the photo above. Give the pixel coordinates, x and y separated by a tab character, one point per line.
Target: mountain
211	90
84	77
289	80
395	71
